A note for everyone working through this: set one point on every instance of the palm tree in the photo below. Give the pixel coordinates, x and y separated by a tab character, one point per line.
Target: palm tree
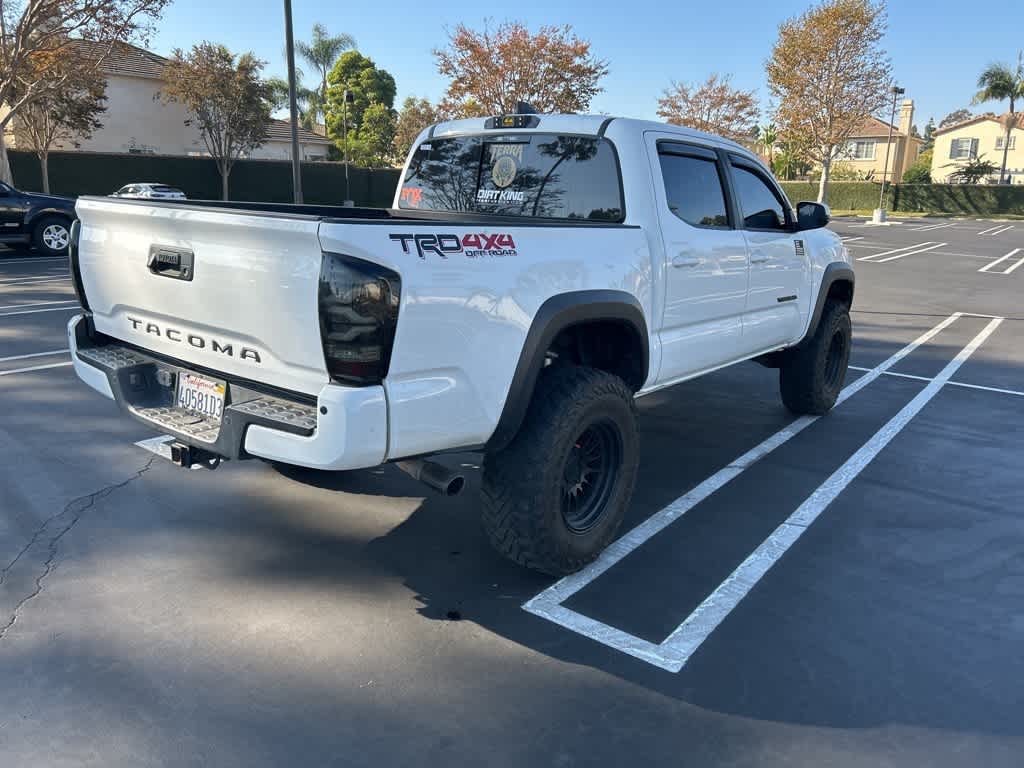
321	52
768	138
998	82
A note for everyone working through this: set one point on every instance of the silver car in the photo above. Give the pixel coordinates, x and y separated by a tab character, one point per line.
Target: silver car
150	191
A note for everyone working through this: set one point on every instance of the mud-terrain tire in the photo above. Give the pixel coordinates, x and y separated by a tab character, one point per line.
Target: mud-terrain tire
812	375
555	497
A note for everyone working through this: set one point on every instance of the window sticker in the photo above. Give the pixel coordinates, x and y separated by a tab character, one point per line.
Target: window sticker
504	171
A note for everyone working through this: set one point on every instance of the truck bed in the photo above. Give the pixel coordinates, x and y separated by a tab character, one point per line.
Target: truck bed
351	214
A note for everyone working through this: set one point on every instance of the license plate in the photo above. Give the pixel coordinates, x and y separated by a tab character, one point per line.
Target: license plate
201	395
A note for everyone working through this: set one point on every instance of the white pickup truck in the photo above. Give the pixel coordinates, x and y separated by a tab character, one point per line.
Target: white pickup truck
536	274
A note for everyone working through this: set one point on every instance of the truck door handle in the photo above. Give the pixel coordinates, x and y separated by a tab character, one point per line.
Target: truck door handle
684	260
177	263
758	257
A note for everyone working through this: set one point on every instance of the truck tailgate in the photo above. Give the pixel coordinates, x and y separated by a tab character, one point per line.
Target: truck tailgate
246	306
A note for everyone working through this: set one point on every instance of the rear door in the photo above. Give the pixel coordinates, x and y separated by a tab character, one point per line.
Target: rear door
778	295
705	265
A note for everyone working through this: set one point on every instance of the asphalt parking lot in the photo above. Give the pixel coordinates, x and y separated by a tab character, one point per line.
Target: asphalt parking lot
846	591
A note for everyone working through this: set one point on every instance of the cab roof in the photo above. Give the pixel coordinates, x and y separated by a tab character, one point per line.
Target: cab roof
580	124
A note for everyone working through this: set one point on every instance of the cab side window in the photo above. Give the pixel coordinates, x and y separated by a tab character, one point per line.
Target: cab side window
759	203
693	187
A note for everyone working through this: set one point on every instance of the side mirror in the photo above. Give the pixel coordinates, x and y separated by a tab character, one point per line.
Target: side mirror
812	216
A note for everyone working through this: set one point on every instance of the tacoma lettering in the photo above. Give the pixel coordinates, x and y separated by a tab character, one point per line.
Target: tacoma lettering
195	340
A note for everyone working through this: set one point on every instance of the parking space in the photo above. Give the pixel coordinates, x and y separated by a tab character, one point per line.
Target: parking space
834	591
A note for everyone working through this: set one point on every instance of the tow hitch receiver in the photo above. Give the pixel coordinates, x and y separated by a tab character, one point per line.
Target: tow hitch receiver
187	456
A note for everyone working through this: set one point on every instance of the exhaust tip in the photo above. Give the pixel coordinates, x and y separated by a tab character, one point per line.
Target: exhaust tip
434	476
455	486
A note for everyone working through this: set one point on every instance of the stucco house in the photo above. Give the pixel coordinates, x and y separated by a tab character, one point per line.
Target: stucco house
138	122
865	152
979	137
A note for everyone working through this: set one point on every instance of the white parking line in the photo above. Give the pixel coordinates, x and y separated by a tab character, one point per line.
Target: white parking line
1000	260
909	253
34	354
852	239
894	250
36	311
34	368
931	226
548	604
720	603
30	278
38	304
997	230
963	384
40	260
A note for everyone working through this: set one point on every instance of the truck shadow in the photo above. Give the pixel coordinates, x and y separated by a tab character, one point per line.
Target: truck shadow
845	648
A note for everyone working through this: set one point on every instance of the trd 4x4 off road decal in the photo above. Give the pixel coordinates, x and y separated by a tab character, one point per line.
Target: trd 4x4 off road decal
473	246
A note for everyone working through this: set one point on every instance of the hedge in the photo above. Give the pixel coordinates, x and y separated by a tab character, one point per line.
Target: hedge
95	173
962	199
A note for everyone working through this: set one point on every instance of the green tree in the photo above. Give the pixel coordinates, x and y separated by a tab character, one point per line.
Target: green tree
374	144
39	39
67	115
929	135
920	171
971	172
415	115
828	71
767	138
321	52
956	116
367	85
1001	82
228	99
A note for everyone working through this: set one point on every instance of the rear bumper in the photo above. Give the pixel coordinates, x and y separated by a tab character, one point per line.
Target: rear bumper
342	428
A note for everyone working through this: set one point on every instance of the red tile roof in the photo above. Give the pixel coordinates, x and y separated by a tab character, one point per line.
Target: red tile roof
873	128
1001	119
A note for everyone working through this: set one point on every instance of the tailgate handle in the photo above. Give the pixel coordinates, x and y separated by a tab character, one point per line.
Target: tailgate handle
177	263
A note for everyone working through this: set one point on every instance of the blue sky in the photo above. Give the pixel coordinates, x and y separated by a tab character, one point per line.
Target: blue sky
937	47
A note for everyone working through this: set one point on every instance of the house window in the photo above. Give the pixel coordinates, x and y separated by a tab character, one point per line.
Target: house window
1000	140
963	149
861	149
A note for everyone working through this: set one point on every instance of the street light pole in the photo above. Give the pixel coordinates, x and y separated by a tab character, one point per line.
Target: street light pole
292	106
896	93
346	98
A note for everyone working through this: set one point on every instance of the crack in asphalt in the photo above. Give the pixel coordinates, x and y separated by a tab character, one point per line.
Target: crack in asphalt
75	508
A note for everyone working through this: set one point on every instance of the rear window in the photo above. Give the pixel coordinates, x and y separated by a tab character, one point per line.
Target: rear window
541	175
161	188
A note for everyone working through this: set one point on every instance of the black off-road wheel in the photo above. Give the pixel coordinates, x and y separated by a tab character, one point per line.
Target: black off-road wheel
51	235
813	374
555	497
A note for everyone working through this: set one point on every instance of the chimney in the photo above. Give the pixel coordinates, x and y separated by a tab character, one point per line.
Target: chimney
906	117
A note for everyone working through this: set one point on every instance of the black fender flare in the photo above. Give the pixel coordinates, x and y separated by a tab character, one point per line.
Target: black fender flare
34	214
554	316
837	271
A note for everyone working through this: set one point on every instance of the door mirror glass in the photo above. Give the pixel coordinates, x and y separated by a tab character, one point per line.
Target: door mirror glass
812	215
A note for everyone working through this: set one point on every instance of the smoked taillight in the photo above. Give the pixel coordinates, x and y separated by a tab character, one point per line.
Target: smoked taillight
358	314
76	270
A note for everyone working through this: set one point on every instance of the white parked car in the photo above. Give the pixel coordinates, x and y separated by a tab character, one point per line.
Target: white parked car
536	274
150	191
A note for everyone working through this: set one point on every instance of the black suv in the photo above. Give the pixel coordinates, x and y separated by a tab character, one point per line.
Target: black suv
42	220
